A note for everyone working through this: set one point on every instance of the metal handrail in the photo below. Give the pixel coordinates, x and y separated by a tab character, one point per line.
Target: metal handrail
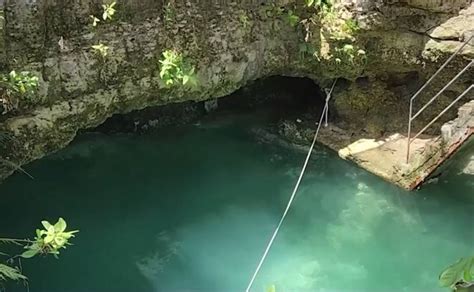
412	99
443	90
444	111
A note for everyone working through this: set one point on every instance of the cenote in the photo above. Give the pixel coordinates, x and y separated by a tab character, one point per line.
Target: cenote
191	208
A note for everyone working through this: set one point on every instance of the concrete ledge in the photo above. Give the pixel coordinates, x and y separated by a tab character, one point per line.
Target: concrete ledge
387	158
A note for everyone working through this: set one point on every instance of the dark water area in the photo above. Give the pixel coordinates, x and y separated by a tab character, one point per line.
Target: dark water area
191	208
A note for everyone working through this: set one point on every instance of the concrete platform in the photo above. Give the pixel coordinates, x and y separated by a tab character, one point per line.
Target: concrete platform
387	158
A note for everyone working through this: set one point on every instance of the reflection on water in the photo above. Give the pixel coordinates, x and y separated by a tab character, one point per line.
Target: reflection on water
192	208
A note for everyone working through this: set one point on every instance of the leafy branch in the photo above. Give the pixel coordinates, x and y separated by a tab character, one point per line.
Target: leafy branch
175	69
16	86
11	273
107	14
109	10
339	32
49	240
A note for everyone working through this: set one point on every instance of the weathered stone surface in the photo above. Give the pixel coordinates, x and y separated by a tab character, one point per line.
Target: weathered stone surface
231	44
439	5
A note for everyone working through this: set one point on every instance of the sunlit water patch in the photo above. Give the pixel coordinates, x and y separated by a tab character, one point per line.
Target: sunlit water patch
192	208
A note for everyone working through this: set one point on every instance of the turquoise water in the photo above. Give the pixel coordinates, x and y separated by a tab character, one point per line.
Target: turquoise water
192	208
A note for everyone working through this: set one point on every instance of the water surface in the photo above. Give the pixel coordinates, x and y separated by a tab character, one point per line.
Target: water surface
192	208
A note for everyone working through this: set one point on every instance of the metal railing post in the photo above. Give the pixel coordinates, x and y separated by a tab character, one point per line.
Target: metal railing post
409	131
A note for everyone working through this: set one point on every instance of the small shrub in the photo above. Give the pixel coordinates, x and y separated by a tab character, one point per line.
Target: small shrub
337	28
47	241
348	53
101	49
351	26
292	18
24	83
244	20
341	33
15	87
107	14
95	20
109	11
175	69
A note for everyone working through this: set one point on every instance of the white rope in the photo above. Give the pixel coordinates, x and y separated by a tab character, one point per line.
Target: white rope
328	97
295	190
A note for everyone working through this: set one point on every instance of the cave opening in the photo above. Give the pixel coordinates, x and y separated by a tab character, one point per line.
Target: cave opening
277	97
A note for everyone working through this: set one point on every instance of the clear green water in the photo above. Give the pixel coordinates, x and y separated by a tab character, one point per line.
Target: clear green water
192	208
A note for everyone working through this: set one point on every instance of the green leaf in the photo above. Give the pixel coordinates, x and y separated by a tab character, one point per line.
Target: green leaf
468	271
452	274
109	11
69	234
294	20
60	226
101	49
29	253
95	20
185	79
467	275
47	225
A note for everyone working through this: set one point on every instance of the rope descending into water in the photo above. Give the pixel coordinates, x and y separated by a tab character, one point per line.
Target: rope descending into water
295	190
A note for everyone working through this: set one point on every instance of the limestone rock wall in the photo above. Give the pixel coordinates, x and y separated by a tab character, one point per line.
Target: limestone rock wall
230	43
